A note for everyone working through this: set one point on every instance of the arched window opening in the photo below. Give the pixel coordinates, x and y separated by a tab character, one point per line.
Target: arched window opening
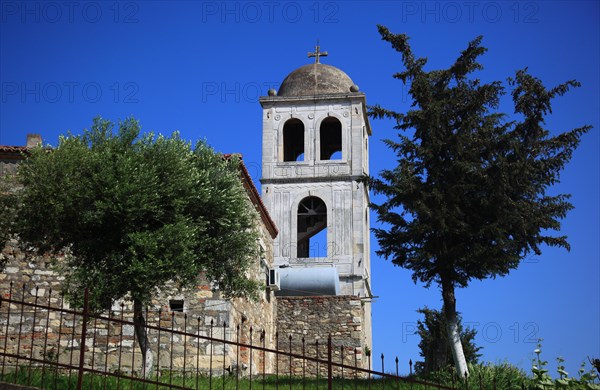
312	220
293	140
317	246
331	139
336	156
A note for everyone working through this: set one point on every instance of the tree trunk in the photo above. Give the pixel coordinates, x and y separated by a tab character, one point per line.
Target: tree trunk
140	331
453	334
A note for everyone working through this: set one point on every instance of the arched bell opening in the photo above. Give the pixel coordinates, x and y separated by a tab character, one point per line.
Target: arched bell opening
312	227
293	140
330	139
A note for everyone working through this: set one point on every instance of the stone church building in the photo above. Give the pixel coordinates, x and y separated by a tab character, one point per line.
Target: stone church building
313	218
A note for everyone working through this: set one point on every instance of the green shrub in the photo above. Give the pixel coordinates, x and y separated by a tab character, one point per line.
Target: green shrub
542	380
506	376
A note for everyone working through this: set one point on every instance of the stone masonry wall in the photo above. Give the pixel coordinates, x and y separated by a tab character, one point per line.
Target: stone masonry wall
315	318
52	335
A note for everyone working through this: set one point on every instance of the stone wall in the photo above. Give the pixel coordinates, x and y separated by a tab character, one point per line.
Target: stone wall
10	157
57	336
205	313
314	319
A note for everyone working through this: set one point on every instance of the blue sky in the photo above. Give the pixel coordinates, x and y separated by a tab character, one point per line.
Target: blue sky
199	67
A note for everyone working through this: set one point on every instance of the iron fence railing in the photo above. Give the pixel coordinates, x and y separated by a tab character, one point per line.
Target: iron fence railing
41	337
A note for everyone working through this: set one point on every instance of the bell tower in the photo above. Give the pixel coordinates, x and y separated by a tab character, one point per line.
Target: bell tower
315	151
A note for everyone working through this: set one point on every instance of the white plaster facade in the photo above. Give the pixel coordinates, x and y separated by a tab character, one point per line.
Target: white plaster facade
336	182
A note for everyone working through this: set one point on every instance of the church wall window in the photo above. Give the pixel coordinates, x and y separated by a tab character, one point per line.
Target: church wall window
331	139
176	305
293	140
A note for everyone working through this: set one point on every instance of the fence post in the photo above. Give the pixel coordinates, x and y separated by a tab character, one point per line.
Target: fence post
410	363
397	385
82	344
329	367
382	372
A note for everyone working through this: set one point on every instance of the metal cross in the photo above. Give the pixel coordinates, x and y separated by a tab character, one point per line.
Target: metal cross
318	53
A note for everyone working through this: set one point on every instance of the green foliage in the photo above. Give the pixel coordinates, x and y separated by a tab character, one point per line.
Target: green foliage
51	379
509	377
542	379
500	375
434	344
467	198
7	212
134	213
482	376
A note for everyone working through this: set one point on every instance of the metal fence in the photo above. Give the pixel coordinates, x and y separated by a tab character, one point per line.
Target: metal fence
44	342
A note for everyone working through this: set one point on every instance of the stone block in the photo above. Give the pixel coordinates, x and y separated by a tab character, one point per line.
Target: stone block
128	330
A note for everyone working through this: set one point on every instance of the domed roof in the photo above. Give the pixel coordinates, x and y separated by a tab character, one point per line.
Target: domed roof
316	79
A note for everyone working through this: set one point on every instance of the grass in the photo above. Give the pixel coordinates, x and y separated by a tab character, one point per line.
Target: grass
501	376
49	379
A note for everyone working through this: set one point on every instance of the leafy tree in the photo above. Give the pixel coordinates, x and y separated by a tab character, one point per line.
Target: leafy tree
468	197
434	345
136	214
7	213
